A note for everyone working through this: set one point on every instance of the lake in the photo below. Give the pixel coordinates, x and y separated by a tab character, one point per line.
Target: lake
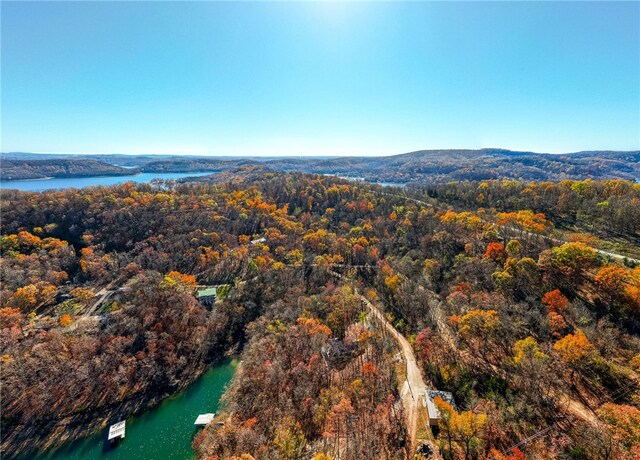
164	432
38	185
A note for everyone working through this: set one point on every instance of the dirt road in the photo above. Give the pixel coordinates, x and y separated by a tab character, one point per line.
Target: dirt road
414	388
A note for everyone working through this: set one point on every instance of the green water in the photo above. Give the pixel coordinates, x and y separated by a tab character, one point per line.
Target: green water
162	433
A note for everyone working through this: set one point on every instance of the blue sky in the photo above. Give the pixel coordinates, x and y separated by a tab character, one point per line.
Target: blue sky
319	78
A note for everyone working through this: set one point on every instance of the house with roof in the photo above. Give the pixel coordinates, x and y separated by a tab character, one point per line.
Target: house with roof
207	296
429	402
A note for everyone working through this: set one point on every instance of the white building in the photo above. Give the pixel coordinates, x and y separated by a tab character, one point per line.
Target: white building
429	402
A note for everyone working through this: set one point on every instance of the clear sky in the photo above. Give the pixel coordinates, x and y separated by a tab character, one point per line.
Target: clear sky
319	78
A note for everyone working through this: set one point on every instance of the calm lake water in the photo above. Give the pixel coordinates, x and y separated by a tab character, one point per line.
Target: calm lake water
38	185
162	433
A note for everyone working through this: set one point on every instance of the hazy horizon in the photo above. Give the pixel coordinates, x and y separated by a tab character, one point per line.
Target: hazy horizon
213	155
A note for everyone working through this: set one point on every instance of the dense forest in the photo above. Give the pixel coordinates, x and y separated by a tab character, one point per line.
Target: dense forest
603	213
609	208
534	333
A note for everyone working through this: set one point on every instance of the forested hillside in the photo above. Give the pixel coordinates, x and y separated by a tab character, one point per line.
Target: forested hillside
436	166
601	213
422	167
40	169
536	338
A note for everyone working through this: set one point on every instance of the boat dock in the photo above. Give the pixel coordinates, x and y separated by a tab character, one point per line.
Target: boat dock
203	419
117	430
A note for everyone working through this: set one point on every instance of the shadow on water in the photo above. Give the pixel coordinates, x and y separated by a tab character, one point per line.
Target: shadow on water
164	432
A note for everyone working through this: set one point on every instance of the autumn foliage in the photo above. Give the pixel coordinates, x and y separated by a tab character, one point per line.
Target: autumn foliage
495	251
574	348
555	301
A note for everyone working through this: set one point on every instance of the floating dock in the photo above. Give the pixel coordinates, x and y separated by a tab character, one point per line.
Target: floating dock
116	431
203	419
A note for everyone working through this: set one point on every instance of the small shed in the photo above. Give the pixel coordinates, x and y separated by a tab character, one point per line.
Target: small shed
429	402
116	431
207	296
203	419
258	240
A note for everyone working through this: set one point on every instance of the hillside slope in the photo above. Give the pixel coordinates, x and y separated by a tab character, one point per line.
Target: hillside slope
452	165
40	169
425	166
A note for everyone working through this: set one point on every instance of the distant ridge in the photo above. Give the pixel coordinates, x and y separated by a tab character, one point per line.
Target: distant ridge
422	166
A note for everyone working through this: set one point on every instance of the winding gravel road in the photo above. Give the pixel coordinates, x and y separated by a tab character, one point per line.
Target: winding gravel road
414	387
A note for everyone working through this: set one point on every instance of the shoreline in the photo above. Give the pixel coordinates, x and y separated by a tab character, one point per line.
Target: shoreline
22	180
14	184
76	427
70	177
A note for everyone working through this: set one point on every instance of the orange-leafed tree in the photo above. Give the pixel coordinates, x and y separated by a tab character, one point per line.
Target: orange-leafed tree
495	251
82	295
28	240
392	282
180	281
525	220
25	298
633	287
620	287
446	422
574	349
65	320
625	419
611	279
322	456
557	324
516	454
555	301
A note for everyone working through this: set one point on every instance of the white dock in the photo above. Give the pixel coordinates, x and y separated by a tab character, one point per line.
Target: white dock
117	430
203	419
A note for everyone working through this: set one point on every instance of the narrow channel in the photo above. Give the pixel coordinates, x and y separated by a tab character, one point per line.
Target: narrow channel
164	432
